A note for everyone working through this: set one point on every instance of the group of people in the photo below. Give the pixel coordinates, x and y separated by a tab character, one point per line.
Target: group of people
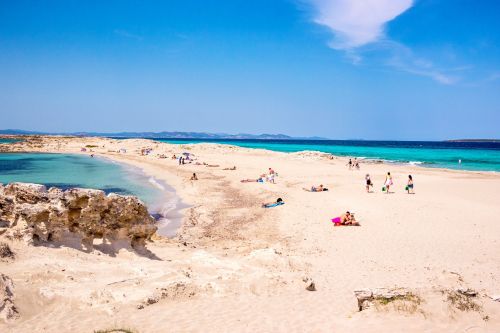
388	183
353	164
269	177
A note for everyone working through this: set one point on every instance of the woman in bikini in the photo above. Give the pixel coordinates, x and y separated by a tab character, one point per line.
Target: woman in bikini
345	219
388	182
409	186
368	183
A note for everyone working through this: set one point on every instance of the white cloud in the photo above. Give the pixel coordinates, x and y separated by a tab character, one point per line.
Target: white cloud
358	28
355	23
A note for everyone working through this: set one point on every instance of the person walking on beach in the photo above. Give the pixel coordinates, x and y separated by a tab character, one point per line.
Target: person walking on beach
388	182
368	183
409	186
349	164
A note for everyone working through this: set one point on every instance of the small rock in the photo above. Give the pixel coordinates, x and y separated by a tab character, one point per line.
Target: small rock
364	297
5	251
311	286
467	292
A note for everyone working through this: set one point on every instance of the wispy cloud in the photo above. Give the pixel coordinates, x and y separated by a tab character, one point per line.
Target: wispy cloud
126	34
358	28
355	23
402	58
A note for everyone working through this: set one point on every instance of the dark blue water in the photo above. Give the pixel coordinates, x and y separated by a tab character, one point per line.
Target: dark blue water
484	156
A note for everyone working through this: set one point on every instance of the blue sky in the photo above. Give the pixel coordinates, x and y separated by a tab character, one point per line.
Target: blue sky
371	69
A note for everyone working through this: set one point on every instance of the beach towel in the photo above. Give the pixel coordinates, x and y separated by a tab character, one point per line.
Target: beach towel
274	204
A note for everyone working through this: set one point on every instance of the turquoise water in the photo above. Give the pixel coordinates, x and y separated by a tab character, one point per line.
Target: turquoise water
473	155
2	140
69	170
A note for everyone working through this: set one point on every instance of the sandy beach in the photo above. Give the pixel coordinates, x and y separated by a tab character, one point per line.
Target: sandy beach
237	267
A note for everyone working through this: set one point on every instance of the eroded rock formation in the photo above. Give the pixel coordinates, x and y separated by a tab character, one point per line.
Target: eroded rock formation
33	213
8	310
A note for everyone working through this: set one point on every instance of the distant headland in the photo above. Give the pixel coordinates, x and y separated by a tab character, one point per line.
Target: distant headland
474	140
168	135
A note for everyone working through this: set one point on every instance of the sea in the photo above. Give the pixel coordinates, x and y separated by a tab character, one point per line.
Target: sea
473	156
3	140
82	171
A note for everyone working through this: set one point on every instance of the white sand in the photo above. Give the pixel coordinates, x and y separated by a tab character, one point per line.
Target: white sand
242	267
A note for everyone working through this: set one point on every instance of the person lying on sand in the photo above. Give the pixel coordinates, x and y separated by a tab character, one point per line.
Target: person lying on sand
194	177
320	188
233	168
278	202
212	165
345	219
258	180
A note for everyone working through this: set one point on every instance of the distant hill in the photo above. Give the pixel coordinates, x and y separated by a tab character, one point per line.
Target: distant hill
168	135
474	140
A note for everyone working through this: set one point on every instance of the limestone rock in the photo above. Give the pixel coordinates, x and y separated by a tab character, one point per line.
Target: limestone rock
366	297
33	213
467	292
311	286
8	310
5	251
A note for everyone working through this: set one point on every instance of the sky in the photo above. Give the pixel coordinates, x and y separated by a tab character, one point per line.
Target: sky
340	69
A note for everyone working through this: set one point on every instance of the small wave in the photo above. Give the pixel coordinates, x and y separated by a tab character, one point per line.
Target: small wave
158	185
415	162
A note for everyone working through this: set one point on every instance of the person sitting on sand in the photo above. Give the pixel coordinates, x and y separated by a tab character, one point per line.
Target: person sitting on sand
319	188
270	178
368	183
194	177
174	157
278	202
409	186
345	219
233	168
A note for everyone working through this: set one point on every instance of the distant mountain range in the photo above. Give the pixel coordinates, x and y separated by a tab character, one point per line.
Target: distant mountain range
168	135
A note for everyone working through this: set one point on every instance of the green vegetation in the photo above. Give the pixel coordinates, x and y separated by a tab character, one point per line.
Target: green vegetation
408	303
461	301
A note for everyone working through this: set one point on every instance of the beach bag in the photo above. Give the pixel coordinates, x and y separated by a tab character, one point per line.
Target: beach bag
383	188
407	188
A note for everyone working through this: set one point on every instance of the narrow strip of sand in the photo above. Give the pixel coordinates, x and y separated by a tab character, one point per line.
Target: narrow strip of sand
235	266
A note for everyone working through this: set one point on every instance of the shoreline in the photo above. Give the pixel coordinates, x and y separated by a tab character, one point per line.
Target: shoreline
168	208
374	160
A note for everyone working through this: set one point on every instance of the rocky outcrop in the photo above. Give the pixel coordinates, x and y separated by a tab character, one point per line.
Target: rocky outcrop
8	310
33	213
366	297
